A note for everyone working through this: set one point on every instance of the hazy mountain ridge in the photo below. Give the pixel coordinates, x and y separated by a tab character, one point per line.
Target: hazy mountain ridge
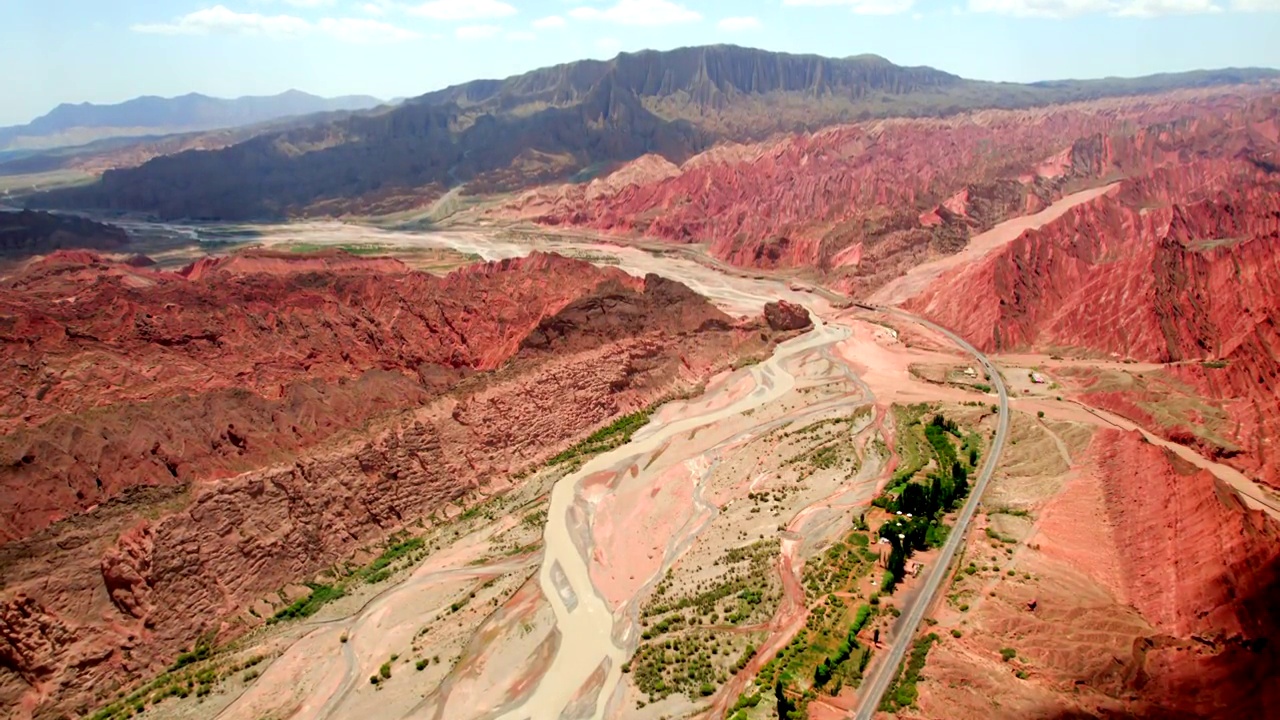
69	124
554	123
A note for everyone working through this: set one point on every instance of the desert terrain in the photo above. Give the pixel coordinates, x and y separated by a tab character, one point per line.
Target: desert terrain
742	488
920	417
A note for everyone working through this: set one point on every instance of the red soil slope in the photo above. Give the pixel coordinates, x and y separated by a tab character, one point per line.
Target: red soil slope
860	203
111	594
1153	591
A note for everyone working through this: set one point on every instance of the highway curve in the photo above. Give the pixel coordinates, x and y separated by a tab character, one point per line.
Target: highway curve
886	669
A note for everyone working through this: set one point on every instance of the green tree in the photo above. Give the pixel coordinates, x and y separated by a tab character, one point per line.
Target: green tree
786	708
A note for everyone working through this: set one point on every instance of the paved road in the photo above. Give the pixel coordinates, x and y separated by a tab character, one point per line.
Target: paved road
886	668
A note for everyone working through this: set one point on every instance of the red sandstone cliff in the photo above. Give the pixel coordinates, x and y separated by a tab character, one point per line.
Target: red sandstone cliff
129	377
365	436
1180	264
861	203
1203	571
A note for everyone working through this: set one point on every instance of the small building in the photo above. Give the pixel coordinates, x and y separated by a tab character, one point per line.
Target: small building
1038	379
970	372
914	568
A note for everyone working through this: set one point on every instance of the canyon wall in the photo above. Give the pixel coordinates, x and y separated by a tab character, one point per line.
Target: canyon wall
1180	265
856	205
1203	571
1142	588
110	594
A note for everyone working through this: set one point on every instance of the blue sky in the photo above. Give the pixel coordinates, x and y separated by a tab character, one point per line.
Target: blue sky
111	50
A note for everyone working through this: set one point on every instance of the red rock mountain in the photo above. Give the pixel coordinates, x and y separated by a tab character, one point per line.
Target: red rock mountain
1206	583
859	204
134	377
1181	264
562	122
197	431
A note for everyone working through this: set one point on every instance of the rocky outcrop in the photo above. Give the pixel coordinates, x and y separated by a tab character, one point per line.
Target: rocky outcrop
27	233
782	315
273	486
155	378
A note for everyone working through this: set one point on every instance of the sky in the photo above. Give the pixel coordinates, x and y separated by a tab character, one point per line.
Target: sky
104	51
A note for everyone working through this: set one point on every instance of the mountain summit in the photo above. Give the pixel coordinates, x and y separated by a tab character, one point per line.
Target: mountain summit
561	122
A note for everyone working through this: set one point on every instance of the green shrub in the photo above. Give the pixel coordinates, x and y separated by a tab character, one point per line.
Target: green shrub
309	605
903	692
1008	654
202	651
385	671
616	433
378	570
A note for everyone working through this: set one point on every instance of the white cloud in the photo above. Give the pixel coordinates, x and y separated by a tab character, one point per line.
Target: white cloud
476	32
1256	5
220	20
917	16
734	24
299	3
638	12
520	35
1155	8
1040	8
1075	8
551	21
374	9
858	7
364	30
462	9
881	7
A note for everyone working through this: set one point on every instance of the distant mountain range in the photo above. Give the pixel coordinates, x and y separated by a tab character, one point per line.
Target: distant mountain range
68	124
563	122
